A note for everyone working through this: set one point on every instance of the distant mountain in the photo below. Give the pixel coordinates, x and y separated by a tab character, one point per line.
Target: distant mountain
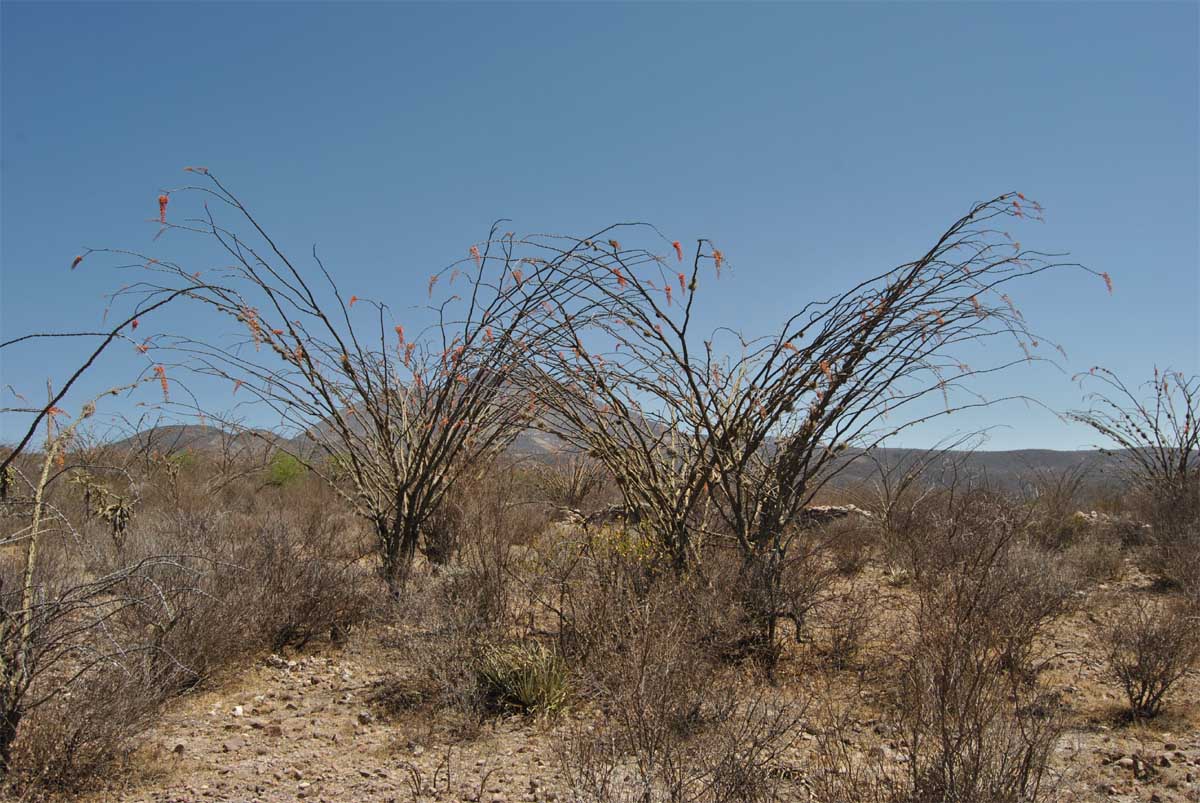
1005	469
176	438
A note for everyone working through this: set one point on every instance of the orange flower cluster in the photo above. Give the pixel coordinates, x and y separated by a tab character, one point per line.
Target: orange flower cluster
678	250
475	255
162	380
163	200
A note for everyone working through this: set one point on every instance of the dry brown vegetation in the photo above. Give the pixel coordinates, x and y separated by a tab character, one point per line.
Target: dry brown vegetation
394	606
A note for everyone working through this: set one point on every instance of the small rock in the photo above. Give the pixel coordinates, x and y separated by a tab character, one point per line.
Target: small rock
364	717
238	711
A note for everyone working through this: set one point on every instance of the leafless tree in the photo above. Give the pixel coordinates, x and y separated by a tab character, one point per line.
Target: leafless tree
392	418
745	432
1157	433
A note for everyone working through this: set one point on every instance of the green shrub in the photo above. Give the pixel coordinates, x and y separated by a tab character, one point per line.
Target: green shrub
284	470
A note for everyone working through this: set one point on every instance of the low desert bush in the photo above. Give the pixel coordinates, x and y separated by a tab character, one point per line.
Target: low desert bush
1095	559
66	744
976	724
844	622
1150	647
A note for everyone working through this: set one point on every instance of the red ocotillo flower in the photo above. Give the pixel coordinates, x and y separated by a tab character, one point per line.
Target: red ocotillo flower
200	170
400	335
134	323
620	278
408	351
616	246
718	258
432	281
475	255
517	275
1107	282
975	304
682	282
163	200
825	369
162	380
142	348
678	250
353	300
667	290
237	384
487	334
75	262
277	331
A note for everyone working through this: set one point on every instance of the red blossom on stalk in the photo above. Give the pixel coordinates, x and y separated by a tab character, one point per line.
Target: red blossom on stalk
667	290
475	255
517	275
353	300
718	258
487	334
237	385
1107	282
134	323
163	200
432	281
400	334
76	261
620	278
678	250
616	246
162	380
682	282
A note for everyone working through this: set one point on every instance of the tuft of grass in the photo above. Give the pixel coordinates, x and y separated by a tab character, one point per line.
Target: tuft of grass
528	677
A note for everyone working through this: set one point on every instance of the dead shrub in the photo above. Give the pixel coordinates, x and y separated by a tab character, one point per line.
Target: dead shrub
85	733
844	623
1150	647
976	724
1095	559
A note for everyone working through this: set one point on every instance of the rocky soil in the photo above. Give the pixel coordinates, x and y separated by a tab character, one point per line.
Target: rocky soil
323	725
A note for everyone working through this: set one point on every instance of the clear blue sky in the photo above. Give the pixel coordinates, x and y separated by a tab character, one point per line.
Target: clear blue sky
814	143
